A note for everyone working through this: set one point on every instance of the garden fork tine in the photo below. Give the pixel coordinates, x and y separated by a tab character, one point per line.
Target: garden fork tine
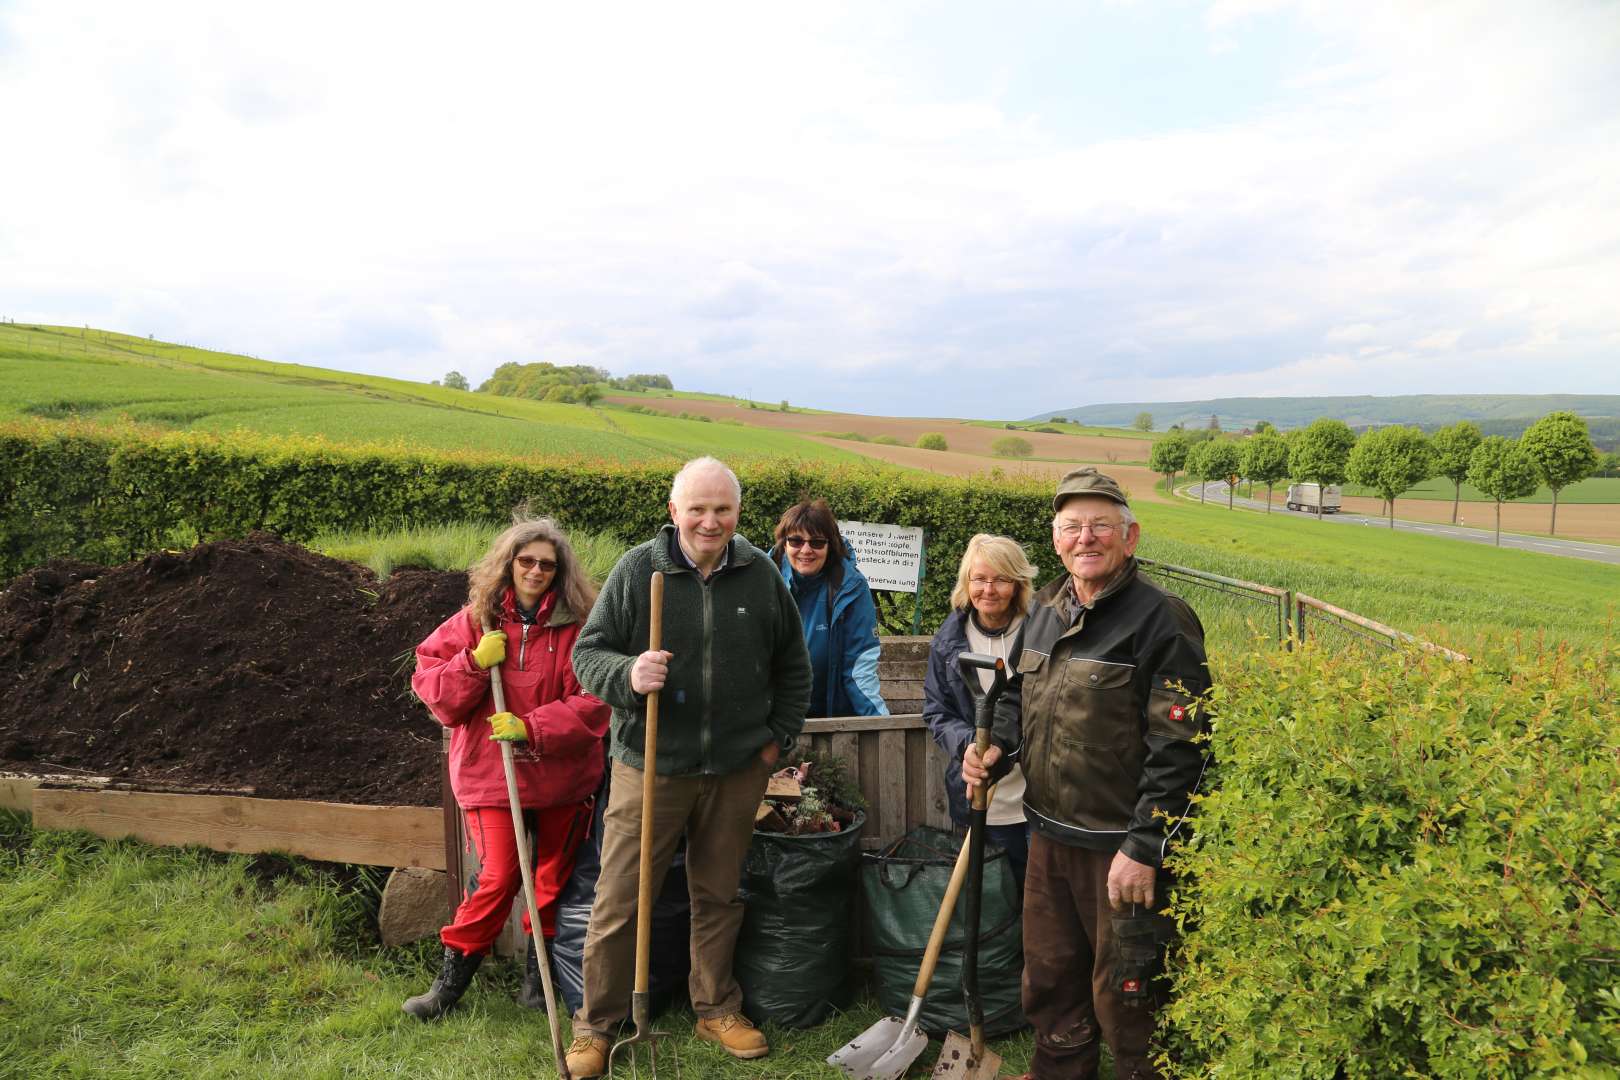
640	1007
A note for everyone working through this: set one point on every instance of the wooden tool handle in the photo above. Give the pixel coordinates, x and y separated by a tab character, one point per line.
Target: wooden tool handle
942	921
649	771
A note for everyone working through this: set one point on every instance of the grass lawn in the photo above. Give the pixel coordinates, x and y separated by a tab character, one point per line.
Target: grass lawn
121	960
1448	591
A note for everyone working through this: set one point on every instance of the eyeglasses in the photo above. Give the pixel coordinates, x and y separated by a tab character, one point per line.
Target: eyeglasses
816	542
529	562
1071	530
987	582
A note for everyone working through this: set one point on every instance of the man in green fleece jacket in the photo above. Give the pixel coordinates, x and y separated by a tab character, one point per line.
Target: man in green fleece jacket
734	685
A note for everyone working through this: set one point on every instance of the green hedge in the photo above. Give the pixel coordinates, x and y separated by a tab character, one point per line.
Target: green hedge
1411	868
110	494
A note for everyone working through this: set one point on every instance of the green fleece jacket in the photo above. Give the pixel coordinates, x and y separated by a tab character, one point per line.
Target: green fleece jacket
739	676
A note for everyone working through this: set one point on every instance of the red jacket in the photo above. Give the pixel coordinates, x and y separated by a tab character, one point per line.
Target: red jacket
562	761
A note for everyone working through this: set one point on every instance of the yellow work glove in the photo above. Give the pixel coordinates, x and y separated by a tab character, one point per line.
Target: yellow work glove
507	728
491	649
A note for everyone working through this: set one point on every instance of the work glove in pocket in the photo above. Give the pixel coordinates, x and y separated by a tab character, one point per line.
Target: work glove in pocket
1139	939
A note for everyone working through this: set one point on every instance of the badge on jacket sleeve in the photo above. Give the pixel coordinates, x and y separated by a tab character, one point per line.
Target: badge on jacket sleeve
1178	712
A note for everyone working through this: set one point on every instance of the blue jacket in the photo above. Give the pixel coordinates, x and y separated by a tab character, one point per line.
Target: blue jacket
844	647
948	706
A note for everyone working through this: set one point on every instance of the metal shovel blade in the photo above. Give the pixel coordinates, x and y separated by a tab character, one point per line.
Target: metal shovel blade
957	1062
881	1052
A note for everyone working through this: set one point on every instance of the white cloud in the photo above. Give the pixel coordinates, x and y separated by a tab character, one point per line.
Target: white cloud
690	189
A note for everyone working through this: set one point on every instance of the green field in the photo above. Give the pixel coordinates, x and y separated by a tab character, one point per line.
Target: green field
1451	592
58	374
1594	489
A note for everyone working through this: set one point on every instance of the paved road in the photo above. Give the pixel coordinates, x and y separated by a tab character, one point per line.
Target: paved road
1546	545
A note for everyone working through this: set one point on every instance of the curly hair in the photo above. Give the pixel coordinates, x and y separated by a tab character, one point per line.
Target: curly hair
490	577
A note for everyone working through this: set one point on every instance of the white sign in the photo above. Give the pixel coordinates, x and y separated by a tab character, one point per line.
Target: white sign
889	555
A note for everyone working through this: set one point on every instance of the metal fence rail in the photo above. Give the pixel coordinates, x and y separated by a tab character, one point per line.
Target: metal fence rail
1234	612
1318	620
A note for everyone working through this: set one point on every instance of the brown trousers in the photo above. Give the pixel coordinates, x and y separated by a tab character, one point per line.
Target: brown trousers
1068	935
717	815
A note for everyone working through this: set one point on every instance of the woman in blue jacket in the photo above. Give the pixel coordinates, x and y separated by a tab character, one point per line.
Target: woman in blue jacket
835	605
994	585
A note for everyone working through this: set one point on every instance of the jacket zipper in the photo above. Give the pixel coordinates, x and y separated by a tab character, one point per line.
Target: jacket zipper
708	669
523	646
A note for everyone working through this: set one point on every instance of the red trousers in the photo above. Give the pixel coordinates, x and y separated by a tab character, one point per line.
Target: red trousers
554	833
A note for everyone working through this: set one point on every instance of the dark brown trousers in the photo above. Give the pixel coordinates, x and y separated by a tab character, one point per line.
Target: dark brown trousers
1071	980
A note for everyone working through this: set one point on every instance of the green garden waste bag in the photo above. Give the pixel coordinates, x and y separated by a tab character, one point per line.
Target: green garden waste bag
793	951
901	890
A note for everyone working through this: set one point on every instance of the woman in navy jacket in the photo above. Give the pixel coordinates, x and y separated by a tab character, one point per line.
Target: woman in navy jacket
835	605
994	584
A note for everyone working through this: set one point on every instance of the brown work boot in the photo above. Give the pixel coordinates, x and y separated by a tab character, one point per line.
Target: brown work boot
734	1032
587	1056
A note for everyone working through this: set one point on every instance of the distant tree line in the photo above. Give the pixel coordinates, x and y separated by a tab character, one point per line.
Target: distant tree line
1557	450
572	384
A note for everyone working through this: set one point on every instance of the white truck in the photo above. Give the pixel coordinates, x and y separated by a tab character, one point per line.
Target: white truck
1314	499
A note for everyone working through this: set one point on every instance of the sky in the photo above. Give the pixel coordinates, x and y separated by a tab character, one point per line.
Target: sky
905	208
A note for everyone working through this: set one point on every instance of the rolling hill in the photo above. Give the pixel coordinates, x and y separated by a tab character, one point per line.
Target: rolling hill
1496	414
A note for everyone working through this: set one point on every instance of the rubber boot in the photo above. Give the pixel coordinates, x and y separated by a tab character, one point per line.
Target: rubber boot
455	975
532	994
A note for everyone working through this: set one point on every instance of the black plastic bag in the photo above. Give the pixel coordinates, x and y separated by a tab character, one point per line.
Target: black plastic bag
902	889
793	952
672	923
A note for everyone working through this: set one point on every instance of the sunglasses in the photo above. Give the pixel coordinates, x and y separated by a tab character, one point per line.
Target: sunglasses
529	562
816	542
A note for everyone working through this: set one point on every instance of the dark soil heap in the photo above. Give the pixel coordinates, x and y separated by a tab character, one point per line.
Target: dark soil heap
239	664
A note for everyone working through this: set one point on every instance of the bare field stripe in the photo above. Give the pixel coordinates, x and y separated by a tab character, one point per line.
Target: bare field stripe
333	832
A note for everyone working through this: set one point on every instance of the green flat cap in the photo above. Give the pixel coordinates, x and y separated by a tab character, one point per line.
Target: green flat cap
1087	481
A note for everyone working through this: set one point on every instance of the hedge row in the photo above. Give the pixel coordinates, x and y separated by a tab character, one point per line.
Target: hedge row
110	494
1411	867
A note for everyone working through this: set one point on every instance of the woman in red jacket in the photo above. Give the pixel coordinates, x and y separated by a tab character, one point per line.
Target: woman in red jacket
532	589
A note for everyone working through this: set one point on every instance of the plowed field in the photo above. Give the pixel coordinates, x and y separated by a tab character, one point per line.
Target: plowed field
962	437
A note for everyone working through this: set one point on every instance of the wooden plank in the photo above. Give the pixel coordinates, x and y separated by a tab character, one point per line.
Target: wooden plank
899	722
17	793
902	690
939	806
846	747
891	800
917	744
334	832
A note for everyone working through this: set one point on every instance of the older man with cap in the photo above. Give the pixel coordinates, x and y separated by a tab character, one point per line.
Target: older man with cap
1105	714
734	683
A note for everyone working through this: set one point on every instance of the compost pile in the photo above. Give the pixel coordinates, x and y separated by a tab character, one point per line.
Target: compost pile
241	664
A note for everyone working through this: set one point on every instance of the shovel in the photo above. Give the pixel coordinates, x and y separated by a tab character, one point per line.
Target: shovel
527	873
639	997
959	1058
887	1048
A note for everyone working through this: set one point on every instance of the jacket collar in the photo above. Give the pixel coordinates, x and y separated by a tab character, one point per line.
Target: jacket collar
553	608
1059	593
739	552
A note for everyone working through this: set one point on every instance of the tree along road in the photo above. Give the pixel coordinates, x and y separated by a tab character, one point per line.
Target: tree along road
1215	492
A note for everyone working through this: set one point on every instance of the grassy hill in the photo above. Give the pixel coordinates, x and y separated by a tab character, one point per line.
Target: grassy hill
1506	414
61	372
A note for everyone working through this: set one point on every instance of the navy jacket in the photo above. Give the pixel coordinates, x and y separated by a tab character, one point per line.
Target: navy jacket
948	706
